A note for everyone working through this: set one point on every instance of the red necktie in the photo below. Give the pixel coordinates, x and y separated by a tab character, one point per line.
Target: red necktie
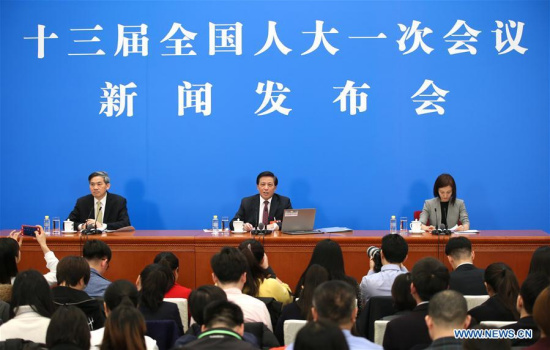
266	213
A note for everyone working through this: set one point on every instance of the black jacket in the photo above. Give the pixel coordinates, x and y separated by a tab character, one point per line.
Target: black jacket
115	214
219	339
468	280
249	210
90	306
492	310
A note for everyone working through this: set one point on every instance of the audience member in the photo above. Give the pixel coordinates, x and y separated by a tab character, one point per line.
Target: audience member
403	301
68	330
540	261
118	293
503	288
124	329
73	273
98	255
542	319
170	259
465	277
301	308
429	276
393	253
32	307
447	312
328	254
223	328
258	284
528	293
336	301
153	283
229	268
320	335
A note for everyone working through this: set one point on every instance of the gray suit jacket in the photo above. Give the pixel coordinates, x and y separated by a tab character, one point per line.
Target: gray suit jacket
455	212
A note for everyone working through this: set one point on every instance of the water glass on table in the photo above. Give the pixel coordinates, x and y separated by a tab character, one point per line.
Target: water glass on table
403	228
225	223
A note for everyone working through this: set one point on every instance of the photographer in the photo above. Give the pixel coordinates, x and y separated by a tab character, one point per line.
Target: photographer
392	255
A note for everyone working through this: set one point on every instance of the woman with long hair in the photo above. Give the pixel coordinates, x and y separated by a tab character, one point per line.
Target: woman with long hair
171	260
540	261
124	330
68	330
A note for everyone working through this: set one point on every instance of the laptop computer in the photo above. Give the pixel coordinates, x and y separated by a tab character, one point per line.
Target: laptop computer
299	222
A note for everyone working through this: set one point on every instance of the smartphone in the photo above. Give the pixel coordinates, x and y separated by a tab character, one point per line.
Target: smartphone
29	230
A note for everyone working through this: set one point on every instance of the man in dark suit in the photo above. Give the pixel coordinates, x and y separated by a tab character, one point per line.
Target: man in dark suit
429	276
101	209
264	207
465	277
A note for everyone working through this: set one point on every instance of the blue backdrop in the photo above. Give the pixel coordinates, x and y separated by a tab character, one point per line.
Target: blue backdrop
357	170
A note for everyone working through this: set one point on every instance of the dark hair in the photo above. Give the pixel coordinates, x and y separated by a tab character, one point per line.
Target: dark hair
486	343
540	311
96	249
459	248
540	261
445	180
504	283
68	325
202	296
224	312
255	247
156	280
121	292
31	288
9	251
401	293
395	248
531	288
71	269
169	259
448	309
103	174
229	264
328	254
267	174
124	329
254	274
429	276
335	301
320	335
315	276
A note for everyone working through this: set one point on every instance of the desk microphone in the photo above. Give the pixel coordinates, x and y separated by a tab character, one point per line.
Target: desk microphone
437	231
94	230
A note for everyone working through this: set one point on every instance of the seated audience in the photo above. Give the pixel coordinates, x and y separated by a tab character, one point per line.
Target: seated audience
229	268
540	261
393	253
447	311
465	277
98	255
68	330
429	276
403	301
502	287
169	259
328	254
336	301
322	334
118	293
153	283
258	283
73	273
32	307
223	328
530	289
300	309
542	319
124	329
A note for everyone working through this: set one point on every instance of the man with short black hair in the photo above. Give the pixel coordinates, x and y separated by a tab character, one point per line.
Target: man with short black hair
100	209
465	277
429	276
229	268
98	255
73	273
265	207
447	311
393	253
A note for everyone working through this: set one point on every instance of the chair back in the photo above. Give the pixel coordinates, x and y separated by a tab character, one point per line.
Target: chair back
475	300
291	328
375	309
496	324
379	331
183	309
274	307
165	332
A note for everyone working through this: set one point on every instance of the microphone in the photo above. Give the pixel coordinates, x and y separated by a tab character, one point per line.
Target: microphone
85	225
437	230
94	230
261	227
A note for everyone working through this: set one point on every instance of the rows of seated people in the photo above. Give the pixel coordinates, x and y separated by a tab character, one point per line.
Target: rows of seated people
74	306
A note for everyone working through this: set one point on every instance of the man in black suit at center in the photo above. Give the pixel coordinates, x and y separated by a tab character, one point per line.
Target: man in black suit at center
101	209
264	207
465	278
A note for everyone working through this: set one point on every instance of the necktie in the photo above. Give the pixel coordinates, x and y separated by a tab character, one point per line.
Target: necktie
266	213
99	212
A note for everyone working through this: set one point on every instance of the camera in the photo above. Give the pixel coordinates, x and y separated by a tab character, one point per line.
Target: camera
374	253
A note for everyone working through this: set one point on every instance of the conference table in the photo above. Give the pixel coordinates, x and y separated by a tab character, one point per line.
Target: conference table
287	254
